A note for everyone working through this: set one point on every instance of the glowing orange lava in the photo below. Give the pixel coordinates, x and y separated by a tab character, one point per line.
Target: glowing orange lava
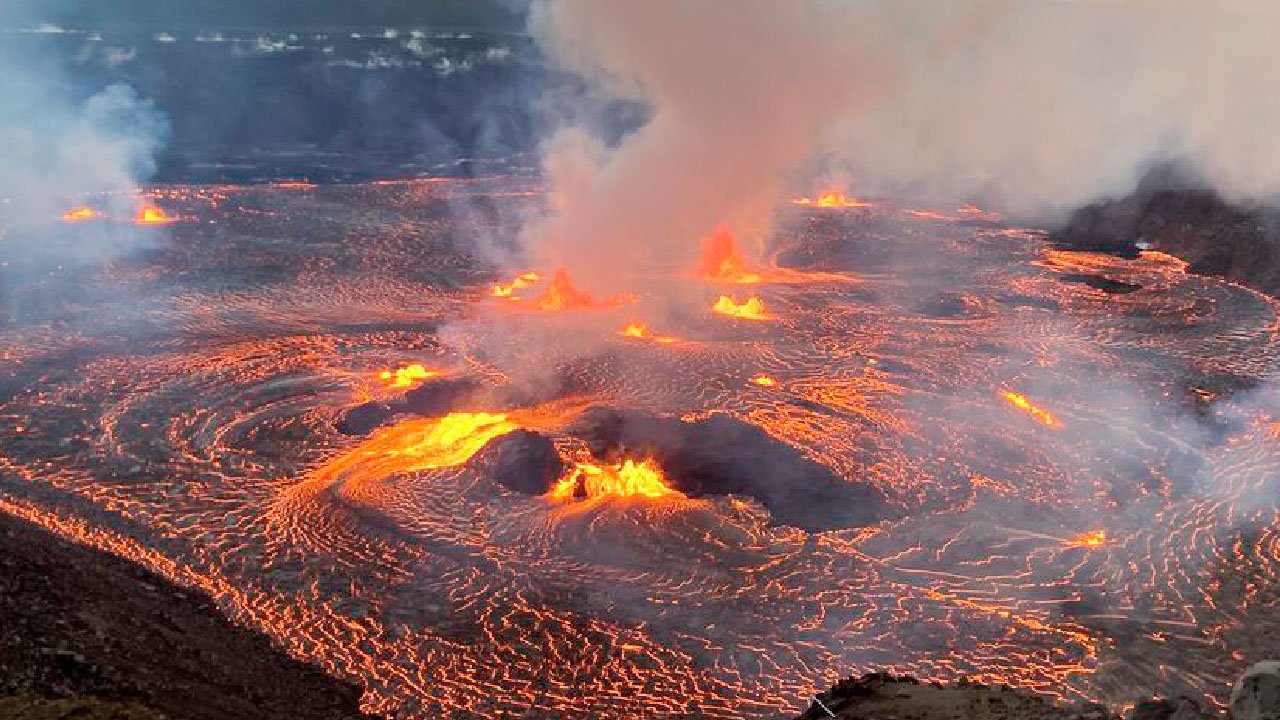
151	215
751	309
629	479
80	214
640	331
764	381
420	444
832	199
1096	538
1045	417
520	282
721	261
407	376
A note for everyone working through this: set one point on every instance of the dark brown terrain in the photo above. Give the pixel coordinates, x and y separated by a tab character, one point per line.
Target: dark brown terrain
89	635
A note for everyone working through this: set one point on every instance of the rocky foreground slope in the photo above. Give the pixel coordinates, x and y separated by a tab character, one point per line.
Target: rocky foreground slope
91	636
881	696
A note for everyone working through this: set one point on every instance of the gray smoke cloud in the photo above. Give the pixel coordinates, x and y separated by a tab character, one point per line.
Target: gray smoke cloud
62	142
1032	107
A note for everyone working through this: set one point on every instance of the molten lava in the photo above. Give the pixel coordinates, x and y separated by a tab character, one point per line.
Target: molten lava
640	331
1045	417
521	281
763	381
751	309
151	215
1096	538
80	214
407	376
831	200
721	261
425	443
629	478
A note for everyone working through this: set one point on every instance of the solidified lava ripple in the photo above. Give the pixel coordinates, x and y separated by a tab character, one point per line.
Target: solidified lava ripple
193	428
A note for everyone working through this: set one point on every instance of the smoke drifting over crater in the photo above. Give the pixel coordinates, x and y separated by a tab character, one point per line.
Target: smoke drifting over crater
1033	107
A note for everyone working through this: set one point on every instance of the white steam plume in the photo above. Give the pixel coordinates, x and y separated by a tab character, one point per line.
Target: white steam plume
1035	107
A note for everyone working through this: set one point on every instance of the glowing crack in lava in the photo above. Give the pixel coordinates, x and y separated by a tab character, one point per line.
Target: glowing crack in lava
407	376
629	478
1044	417
750	309
81	214
833	200
397	556
722	262
152	215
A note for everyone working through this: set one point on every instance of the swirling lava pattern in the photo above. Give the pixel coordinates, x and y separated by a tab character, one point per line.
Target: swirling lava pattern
185	417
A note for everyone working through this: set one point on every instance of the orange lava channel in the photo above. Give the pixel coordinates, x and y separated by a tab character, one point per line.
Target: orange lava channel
1097	538
407	376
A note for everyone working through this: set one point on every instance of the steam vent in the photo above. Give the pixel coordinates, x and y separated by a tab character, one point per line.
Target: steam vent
663	360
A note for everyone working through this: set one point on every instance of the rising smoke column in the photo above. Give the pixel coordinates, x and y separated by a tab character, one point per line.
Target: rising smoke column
741	91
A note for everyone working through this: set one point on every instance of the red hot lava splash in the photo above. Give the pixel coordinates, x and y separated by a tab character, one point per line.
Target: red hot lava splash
211	449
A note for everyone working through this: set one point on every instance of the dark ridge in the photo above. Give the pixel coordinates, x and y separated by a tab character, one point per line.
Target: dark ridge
89	635
1181	217
1106	285
523	461
885	695
723	455
434	397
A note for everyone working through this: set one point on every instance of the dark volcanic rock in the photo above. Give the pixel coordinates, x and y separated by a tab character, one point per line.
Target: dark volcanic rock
363	419
1114	287
723	455
1180	217
883	695
107	639
523	461
437	397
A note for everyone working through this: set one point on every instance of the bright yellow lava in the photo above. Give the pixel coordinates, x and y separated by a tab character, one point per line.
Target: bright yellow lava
640	331
833	199
421	444
407	376
629	478
84	212
520	282
1096	538
752	309
1045	417
764	381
